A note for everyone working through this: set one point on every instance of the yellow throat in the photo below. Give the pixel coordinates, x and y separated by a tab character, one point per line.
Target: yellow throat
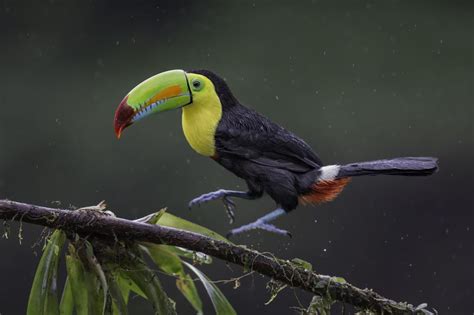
200	119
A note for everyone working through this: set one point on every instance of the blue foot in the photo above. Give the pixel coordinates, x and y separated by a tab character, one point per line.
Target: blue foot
220	194
262	224
258	225
207	197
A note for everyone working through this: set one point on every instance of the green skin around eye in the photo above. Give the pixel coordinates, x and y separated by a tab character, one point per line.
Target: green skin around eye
197	85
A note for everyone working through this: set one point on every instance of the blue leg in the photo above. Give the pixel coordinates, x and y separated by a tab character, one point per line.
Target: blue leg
263	224
225	195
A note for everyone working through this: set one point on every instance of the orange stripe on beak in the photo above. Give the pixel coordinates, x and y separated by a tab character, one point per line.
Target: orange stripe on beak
169	92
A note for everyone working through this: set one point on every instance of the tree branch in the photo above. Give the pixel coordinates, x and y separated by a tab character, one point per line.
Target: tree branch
108	227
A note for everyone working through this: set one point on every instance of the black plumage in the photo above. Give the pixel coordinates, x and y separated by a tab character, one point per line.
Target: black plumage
273	160
270	158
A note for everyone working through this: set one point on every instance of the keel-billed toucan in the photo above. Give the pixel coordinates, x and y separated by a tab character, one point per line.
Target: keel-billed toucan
269	158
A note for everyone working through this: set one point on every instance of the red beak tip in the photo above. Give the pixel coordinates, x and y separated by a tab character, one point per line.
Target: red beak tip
123	117
118	131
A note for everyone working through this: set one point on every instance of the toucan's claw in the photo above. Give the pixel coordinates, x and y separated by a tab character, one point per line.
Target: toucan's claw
230	207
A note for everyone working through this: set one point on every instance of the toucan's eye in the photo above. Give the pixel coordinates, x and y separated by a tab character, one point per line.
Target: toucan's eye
197	84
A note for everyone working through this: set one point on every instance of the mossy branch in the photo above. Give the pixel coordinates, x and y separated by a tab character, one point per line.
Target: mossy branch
111	228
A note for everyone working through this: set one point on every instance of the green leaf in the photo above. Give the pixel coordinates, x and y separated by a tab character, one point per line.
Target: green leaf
152	218
66	307
123	286
119	296
167	219
196	257
221	304
165	259
86	285
170	263
338	280
95	292
148	283
126	285
95	278
43	295
77	282
302	263
187	287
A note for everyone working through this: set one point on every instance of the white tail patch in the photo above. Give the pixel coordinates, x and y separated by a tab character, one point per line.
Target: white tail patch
329	172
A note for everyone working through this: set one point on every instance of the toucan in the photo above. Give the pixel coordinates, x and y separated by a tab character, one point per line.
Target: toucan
269	158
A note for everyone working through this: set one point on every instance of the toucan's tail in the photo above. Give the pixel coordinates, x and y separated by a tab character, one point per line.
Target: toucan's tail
333	178
406	166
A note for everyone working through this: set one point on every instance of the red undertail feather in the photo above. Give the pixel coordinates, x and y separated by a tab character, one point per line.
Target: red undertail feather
324	191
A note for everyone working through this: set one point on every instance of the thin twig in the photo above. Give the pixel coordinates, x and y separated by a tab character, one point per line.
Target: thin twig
111	228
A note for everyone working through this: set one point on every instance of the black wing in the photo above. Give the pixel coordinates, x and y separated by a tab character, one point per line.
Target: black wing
245	134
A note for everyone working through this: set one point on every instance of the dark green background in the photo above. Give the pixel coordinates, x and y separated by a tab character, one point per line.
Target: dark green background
357	80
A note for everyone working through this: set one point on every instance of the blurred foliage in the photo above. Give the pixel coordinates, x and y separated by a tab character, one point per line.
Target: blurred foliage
101	275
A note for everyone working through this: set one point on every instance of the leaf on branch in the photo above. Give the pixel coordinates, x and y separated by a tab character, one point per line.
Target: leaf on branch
95	277
66	307
187	287
152	218
338	280
43	295
118	294
219	301
167	219
147	281
126	285
196	257
171	264
77	282
166	260
302	263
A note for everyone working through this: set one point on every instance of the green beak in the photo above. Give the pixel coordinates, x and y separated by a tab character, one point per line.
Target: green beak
164	91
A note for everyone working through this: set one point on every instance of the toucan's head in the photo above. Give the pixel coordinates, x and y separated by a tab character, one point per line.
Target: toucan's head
167	90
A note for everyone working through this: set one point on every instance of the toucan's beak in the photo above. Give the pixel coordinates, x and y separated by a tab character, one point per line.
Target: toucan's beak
164	91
